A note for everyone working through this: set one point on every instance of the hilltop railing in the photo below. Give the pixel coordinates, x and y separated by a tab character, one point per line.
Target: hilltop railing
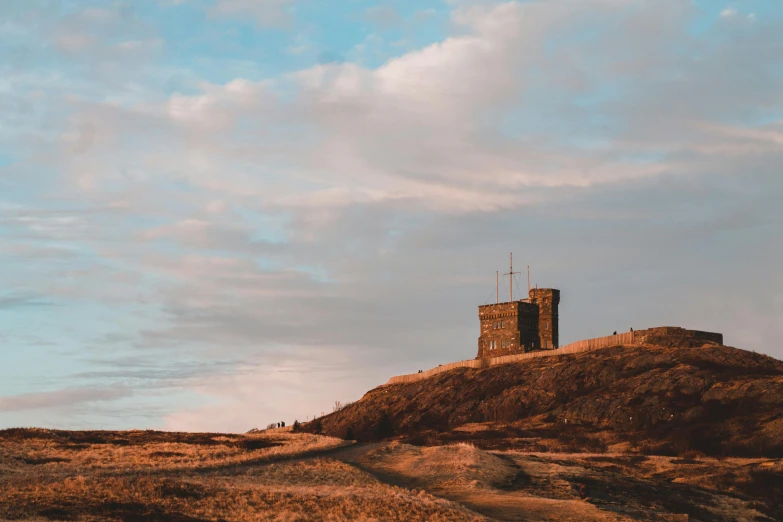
585	345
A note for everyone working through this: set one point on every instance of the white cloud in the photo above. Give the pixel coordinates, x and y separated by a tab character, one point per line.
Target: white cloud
217	207
728	13
404	132
281	389
383	16
97	15
266	13
140	45
74	42
61	398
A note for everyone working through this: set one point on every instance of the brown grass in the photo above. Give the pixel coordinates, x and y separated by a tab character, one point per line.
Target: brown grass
283	476
153	450
511	485
133	476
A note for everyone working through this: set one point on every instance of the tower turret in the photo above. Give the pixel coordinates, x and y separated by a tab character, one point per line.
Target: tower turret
547	300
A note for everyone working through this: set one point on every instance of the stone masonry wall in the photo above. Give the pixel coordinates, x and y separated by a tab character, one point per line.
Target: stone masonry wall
665	335
507	328
547	300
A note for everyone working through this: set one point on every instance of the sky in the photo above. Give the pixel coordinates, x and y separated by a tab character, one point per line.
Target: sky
219	214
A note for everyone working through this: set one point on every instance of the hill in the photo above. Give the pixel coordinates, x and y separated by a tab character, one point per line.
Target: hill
666	399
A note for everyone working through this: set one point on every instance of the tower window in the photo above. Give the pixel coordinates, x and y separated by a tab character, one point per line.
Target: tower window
546	326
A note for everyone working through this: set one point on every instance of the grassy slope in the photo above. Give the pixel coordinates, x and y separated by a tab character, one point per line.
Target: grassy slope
715	400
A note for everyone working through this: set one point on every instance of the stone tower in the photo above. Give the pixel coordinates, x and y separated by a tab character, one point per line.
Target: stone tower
547	300
508	328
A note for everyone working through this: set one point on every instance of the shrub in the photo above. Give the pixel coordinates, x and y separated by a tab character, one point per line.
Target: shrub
692	454
340	405
316	426
384	428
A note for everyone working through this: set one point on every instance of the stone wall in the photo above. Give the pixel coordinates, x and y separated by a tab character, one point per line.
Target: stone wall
507	328
674	336
547	300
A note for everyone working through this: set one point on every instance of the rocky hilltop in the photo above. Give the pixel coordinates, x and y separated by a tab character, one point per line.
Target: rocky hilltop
668	398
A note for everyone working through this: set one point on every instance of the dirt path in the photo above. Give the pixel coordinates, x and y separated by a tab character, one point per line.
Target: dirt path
455	473
529	487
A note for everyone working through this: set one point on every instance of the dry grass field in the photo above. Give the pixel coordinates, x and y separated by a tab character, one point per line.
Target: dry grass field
510	485
145	475
187	477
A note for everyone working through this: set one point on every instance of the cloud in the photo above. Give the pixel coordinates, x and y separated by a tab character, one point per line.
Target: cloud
60	398
265	13
434	115
383	16
74	42
728	13
12	302
424	14
426	143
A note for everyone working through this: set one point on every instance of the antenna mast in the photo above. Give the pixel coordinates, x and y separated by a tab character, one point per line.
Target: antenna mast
511	277
528	280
